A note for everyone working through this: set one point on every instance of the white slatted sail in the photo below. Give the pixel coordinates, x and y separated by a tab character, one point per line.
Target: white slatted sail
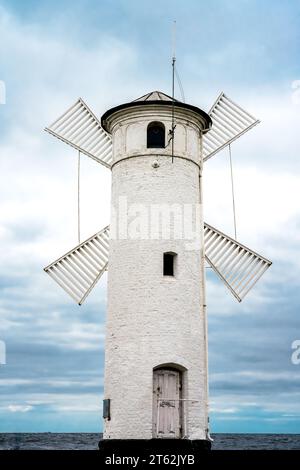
78	271
80	128
230	121
237	266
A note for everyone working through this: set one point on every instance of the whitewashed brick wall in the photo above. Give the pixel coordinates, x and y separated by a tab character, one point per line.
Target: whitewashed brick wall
153	319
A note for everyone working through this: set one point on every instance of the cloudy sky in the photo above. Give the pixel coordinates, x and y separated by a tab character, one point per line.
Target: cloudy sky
109	52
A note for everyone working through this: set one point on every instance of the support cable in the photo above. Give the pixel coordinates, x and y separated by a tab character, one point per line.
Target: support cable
171	132
78	197
180	85
232	192
173	110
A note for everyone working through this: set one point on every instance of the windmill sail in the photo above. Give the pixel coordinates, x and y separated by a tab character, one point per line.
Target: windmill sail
78	271
80	128
237	266
230	121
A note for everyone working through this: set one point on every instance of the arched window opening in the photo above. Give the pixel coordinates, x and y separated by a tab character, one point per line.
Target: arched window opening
155	135
169	264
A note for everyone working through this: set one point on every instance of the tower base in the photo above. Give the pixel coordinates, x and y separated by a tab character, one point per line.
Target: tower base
153	451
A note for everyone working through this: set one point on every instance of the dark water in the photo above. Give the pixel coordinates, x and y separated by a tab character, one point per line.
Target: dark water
89	441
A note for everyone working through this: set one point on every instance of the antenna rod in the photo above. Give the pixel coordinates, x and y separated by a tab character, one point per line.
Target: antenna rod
173	86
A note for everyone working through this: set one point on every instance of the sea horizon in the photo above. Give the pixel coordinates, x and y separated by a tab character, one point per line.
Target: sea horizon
89	441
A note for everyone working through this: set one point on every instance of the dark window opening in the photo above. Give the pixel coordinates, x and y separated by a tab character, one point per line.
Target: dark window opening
155	135
106	409
169	259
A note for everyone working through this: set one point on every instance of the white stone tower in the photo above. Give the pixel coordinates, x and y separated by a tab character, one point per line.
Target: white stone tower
156	343
155	386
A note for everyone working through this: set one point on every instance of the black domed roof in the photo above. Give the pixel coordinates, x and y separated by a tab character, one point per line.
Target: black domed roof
156	97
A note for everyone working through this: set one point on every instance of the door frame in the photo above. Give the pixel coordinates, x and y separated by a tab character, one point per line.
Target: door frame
182	387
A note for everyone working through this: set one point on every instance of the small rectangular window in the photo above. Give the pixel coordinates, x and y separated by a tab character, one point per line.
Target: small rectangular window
106	408
169	264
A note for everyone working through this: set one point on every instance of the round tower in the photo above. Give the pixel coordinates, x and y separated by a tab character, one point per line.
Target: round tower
155	384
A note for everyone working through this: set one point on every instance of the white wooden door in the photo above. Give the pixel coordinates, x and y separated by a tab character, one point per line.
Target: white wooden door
166	403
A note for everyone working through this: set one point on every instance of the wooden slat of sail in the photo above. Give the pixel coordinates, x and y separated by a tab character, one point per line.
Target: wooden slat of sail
81	129
230	121
237	266
78	270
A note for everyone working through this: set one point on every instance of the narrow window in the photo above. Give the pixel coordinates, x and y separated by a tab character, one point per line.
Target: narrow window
169	259
106	409
155	135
